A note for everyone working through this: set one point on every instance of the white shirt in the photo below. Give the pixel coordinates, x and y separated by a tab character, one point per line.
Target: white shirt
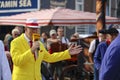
28	40
92	46
5	73
64	40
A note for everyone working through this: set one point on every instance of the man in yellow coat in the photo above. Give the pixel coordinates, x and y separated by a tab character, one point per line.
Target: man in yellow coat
27	60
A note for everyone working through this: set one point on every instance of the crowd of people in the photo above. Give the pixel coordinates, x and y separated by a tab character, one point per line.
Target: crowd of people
44	59
25	55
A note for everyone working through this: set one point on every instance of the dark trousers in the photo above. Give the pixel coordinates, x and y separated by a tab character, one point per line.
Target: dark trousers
46	72
56	68
96	74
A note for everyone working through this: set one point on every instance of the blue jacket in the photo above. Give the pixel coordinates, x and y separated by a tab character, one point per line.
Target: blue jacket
110	68
99	54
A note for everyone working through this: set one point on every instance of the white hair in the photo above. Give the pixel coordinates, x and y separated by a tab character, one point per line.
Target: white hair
15	30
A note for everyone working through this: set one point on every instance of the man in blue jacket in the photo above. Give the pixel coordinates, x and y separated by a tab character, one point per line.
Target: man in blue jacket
101	48
110	67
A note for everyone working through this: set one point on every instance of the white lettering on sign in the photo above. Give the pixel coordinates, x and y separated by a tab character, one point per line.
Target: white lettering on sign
25	3
15	3
8	4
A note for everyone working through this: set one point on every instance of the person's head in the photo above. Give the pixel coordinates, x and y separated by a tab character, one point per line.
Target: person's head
112	33
77	35
53	33
6	38
15	33
31	27
102	35
20	28
44	35
60	31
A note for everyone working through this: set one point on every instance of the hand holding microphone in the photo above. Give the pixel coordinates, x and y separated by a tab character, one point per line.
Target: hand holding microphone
36	42
35	46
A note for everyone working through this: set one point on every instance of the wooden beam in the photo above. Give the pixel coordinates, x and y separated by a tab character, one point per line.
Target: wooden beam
100	12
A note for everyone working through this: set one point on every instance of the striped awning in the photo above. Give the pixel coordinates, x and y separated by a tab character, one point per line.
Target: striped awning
56	17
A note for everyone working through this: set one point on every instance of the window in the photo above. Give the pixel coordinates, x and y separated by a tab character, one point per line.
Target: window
118	9
108	8
85	29
80	5
79	0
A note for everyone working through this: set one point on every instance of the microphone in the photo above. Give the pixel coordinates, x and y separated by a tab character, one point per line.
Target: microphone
36	37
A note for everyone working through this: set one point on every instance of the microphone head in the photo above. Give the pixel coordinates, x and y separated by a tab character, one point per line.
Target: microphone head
36	37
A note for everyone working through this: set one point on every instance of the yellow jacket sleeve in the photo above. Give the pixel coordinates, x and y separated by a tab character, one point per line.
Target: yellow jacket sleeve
54	57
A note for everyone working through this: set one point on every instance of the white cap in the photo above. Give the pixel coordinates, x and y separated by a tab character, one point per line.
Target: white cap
52	32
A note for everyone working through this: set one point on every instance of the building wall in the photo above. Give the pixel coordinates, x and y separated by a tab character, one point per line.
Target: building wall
90	5
118	10
45	4
113	8
70	4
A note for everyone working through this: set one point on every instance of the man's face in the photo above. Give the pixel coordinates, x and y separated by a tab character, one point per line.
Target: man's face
101	37
53	36
44	36
60	32
30	31
109	37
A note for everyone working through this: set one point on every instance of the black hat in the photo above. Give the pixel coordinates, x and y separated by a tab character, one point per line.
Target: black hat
112	31
103	31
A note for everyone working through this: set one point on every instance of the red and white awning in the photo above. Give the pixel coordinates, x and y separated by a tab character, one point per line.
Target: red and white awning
56	17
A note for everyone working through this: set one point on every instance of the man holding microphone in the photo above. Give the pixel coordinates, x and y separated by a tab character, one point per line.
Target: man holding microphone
26	66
